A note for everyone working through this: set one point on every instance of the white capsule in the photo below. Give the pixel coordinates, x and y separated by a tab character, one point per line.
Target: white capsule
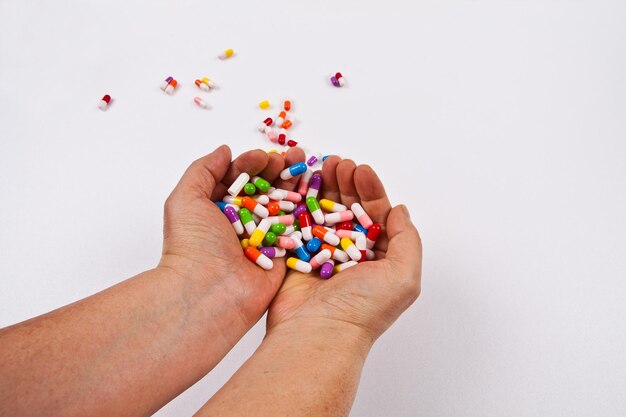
318	216
280	252
201	103
170	88
286	206
288	230
320	258
262	199
350	234
276	194
361	215
344	266
264	262
303	186
340	256
238	226
353	252
250	227
361	242
312	192
261	211
306	233
239	183
296	236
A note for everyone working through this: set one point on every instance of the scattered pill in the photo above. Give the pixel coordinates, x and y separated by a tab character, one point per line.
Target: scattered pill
233	217
340	79
265	104
104	103
166	83
202	86
287	105
344	266
314	185
348	246
315	210
226	54
201	102
372	235
208	82
265	124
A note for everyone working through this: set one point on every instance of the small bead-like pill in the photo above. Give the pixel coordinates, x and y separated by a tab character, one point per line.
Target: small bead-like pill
332	206
259	233
298	265
273	252
201	103
372	235
247	220
104	103
338	217
303	185
338	254
315	210
202	86
320	258
314	185
344	266
327	269
233	217
305	225
326	235
264	104
166	83
249	189
238	184
350	248
258	258
254	207
171	87
287	105
226	54
261	184
313	245
361	215
273	208
293	171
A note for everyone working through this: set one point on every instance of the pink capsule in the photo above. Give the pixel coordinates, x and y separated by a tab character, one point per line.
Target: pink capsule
285	242
320	258
287	219
303	186
361	215
338	217
201	102
350	234
271	135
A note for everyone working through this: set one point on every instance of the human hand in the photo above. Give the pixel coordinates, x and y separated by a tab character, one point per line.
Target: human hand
370	296
199	242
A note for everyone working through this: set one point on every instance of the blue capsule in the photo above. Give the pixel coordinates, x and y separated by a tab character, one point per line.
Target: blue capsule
359	228
313	245
221	205
293	171
303	254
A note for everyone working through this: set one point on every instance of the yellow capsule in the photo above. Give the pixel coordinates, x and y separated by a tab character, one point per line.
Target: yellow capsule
226	54
331	206
237	200
272	151
344	266
265	104
299	265
245	243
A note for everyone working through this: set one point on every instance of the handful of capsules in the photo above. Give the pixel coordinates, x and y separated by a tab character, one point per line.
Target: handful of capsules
320	233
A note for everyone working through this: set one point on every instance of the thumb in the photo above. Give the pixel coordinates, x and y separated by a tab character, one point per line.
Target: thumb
405	246
203	175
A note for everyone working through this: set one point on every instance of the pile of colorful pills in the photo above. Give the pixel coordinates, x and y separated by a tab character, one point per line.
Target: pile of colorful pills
273	223
276	129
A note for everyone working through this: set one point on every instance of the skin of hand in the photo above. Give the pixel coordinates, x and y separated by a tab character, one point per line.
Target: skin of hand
371	295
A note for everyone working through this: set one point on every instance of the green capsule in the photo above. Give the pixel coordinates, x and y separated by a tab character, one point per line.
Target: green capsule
249	188
296	225
278	228
281	213
245	215
261	184
270	239
312	204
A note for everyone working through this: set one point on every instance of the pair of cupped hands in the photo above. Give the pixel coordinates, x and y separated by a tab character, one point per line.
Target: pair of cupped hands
201	246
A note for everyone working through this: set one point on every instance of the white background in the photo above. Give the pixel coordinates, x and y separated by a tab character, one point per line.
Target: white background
500	124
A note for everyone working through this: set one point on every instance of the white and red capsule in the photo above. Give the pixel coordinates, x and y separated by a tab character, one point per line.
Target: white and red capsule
104	103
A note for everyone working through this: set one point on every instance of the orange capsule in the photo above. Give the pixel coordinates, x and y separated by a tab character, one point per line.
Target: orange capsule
287	124
287	105
273	207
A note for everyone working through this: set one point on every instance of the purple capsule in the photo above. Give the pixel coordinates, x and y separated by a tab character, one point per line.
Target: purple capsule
312	161
231	213
334	80
300	209
269	251
326	271
316	181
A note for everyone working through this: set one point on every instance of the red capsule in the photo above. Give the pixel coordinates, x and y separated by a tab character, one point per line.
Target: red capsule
287	105
292	143
344	226
305	219
268	121
338	75
281	139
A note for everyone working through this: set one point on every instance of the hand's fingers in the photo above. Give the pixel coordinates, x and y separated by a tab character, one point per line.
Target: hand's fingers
329	178
345	179
275	164
405	246
373	199
251	162
204	174
293	156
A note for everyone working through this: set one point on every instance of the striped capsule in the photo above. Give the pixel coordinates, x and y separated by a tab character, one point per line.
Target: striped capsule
361	245
201	103
247	220
233	217
273	252
226	54
264	124
361	215
285	242
332	206
315	185
327	269
298	265
313	245
258	258
261	184
350	248
315	210
259	233
299	248
254	207
104	103
372	235
320	258
338	217
281	118
344	266
235	200
165	83
303	185
238	184
326	235
202	86
337	254
293	171
171	87
305	225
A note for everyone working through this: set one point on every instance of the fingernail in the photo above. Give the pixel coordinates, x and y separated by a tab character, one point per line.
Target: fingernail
405	210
